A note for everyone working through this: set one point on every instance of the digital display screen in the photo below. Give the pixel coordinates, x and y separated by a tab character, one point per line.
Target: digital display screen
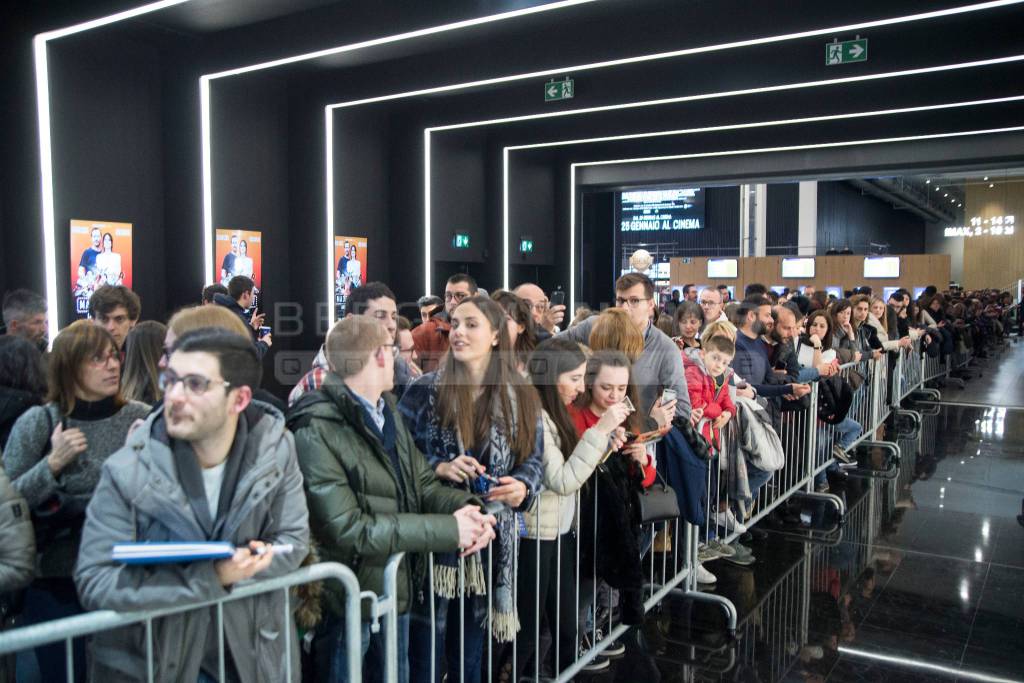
779	289
887	292
882	266
661	210
837	292
918	292
798	267
722	267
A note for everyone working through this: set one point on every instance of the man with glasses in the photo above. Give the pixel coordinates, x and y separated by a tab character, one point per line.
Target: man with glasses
660	366
393	504
431	338
710	301
545	316
212	465
374	300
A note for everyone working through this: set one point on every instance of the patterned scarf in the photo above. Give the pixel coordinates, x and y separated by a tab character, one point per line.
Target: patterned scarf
500	460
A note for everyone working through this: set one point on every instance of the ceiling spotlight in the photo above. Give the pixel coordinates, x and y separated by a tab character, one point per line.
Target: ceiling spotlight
927	182
945	194
991	184
959	205
985	178
937	188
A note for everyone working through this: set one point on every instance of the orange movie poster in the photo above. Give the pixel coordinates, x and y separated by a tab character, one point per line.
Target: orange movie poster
349	268
239	252
101	254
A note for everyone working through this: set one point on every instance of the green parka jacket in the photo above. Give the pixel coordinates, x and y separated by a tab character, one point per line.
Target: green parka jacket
357	514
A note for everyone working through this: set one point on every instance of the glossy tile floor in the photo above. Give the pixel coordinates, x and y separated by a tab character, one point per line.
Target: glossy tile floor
924	582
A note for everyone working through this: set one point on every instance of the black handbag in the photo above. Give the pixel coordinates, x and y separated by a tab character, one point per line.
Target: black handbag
657	503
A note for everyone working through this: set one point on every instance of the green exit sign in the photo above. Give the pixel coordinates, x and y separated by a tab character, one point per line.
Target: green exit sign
846	52
559	90
526	245
461	240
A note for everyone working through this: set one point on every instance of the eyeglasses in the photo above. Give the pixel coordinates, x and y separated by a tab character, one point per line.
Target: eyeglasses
408	350
705	302
539	306
456	296
395	349
104	358
631	302
195	385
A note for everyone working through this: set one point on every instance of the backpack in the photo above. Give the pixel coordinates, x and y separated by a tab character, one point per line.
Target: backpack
835	396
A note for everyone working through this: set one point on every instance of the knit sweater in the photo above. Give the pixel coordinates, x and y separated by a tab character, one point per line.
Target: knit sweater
105	428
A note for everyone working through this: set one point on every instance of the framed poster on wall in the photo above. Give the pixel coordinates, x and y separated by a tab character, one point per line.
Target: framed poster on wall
349	269
240	252
101	254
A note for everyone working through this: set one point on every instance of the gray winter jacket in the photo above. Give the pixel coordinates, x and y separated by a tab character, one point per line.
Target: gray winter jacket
17	539
141	498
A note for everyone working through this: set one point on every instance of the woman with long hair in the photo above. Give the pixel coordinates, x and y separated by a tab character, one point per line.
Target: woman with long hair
867	336
548	557
22	381
882	318
243	262
108	263
54	457
144	346
521	329
478	421
844	337
614	329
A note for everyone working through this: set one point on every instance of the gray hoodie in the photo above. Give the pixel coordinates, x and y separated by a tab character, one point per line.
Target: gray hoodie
140	498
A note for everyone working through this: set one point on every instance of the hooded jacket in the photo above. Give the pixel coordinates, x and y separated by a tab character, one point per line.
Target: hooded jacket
140	498
359	512
703	395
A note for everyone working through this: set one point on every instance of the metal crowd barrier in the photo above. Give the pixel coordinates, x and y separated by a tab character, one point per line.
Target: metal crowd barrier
667	569
83	625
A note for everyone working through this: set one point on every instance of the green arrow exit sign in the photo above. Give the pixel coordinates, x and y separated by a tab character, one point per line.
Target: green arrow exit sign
559	90
461	240
846	52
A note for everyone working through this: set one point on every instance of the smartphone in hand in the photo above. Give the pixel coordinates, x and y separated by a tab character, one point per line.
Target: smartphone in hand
557	298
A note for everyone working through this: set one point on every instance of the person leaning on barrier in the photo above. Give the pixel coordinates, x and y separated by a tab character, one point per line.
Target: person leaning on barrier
371	493
213	465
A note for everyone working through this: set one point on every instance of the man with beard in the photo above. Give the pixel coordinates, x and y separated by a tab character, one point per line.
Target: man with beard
752	319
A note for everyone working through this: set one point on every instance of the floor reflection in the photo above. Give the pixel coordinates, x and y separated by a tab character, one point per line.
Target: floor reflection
923	581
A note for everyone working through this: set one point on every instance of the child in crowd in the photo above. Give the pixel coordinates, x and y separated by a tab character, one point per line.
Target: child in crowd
707	378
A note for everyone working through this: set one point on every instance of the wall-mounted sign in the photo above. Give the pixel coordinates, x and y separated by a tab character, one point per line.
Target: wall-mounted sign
661	210
240	252
846	52
999	226
559	90
461	240
350	269
526	245
101	254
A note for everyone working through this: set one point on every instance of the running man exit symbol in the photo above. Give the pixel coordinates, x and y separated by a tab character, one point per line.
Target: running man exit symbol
559	90
846	52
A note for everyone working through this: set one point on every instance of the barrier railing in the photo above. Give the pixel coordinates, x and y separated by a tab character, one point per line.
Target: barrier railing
82	625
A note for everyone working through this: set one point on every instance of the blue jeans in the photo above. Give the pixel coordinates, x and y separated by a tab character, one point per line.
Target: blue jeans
446	644
756	478
848	430
331	647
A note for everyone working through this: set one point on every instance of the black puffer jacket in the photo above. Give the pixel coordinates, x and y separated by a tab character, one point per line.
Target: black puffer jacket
13	403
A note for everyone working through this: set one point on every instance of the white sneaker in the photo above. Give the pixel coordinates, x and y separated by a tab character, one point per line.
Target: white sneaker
727	520
704	576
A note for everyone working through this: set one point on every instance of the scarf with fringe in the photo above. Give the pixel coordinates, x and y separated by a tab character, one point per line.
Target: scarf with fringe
497	455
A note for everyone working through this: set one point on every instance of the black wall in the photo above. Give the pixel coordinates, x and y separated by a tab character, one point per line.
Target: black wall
782	219
847	218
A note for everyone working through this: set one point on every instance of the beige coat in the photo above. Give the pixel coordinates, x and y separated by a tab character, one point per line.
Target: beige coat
553	511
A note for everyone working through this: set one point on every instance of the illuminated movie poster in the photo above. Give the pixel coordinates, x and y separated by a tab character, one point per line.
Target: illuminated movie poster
239	252
349	268
101	254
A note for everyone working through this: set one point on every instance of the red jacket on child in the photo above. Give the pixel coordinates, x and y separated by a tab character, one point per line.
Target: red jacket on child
701	386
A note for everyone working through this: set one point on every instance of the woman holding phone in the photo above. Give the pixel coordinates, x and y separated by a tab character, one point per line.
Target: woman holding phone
479	424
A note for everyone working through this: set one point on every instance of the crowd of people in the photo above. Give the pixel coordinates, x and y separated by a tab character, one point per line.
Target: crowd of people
477	441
